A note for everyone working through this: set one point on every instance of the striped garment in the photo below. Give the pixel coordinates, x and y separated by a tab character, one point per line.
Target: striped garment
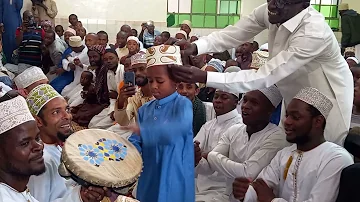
30	47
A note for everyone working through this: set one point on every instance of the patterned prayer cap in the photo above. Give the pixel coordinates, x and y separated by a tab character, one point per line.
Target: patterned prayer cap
259	58
29	76
133	38
46	22
14	112
216	64
40	96
315	98
273	94
97	48
349	49
163	55
71	30
138	58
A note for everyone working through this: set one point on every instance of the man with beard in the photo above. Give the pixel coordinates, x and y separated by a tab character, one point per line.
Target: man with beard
21	156
304	52
310	169
53	118
130	97
246	148
114	75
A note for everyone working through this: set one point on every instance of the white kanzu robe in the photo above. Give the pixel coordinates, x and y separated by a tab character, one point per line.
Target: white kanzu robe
237	155
303	53
317	174
8	194
103	120
84	59
212	186
50	186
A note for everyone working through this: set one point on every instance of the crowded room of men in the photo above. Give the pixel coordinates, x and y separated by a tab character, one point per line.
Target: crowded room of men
179	101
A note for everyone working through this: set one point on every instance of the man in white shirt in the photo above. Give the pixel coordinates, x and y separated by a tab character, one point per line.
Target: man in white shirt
209	186
303	52
54	121
105	119
245	149
307	171
21	154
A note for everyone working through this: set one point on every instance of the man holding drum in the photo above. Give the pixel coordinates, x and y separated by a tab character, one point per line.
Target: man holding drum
21	154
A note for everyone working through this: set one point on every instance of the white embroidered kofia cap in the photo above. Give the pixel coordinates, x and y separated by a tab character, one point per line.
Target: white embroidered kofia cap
29	76
315	98
14	112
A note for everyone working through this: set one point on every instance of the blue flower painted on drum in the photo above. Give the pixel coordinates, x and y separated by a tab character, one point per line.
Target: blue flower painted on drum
115	149
91	154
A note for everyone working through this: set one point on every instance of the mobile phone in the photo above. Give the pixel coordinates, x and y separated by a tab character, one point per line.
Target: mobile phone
129	78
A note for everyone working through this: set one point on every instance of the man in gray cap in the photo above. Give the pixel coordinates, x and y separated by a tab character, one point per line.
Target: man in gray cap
310	169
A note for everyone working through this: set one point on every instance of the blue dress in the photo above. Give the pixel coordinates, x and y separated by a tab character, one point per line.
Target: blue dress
167	148
10	16
65	78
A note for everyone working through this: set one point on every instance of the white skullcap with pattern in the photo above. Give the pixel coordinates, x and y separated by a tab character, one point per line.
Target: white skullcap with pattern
29	76
273	94
315	98
14	112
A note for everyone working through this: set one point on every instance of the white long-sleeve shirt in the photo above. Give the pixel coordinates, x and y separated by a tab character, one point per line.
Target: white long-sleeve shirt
50	186
237	155
211	186
303	53
317	173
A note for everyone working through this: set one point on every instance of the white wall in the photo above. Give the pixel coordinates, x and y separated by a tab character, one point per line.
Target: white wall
109	15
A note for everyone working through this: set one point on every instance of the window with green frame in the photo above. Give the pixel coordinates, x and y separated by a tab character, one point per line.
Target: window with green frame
203	13
329	8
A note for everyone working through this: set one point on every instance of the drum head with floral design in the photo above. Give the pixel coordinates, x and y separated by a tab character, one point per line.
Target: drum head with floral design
102	158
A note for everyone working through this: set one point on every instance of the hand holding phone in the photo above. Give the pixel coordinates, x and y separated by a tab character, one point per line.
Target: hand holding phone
129	78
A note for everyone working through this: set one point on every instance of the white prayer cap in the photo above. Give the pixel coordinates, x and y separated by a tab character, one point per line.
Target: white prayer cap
133	38
182	32
343	7
353	59
259	58
163	55
232	69
273	94
14	112
315	98
349	49
75	41
40	96
29	76
71	30
187	22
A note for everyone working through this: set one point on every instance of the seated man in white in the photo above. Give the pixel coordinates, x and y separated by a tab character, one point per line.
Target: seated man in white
246	148
209	186
310	169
